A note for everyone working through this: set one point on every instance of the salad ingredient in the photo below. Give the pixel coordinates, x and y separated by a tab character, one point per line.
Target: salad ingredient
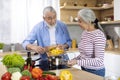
51	77
28	67
16	76
25	78
26	73
65	75
56	51
36	72
13	60
6	76
48	72
14	69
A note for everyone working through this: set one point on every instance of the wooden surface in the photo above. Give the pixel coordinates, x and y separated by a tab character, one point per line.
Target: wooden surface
77	74
80	74
2	70
67	9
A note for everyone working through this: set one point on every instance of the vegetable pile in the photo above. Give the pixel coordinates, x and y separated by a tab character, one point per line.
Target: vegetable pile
17	69
35	74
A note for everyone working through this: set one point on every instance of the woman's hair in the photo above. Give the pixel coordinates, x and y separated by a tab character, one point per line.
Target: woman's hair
48	9
88	16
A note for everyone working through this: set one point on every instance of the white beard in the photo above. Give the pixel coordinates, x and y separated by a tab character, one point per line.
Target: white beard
50	26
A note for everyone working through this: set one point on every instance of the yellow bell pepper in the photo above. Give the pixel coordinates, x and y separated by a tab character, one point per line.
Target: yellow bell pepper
55	52
119	78
65	75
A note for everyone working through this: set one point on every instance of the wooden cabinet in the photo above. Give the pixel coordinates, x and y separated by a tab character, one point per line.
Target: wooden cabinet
69	9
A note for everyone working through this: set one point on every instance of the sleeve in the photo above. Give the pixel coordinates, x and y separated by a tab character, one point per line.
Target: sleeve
30	38
98	55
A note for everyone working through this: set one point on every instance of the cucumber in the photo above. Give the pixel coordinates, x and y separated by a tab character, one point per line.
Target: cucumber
48	72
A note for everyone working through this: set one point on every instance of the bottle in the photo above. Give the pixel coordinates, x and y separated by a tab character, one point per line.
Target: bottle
50	63
29	59
74	42
28	64
109	45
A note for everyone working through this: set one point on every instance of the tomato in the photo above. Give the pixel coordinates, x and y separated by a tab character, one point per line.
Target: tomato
25	78
6	76
36	72
51	77
42	78
28	68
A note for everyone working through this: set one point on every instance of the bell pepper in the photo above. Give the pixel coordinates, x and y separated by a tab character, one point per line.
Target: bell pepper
65	75
36	72
6	76
25	78
51	77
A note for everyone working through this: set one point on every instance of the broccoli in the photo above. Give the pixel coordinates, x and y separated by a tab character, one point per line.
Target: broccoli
26	73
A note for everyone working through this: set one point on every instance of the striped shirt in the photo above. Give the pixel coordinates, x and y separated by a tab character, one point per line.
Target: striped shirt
92	48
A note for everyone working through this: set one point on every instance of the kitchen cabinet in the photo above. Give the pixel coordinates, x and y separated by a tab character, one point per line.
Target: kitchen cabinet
69	9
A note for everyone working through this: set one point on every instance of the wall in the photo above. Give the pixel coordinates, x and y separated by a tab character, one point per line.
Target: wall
75	32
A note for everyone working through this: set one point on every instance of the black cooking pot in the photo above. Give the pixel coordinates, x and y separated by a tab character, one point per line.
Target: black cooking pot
53	62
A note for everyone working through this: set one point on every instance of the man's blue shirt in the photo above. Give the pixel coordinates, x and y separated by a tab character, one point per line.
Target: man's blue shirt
40	33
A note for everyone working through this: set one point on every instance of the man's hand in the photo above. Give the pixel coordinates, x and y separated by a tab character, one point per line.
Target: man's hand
62	46
37	49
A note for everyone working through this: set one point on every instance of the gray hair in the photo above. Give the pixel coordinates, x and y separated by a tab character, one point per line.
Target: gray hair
89	16
48	9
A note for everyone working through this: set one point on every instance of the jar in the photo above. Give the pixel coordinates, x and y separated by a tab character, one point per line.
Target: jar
12	47
74	42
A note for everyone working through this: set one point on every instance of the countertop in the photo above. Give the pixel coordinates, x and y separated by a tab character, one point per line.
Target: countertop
23	53
80	74
77	74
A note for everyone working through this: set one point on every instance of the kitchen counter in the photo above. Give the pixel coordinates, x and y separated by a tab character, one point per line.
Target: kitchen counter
23	53
80	74
77	74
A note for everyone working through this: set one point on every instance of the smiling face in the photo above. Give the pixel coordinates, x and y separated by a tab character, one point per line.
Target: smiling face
50	18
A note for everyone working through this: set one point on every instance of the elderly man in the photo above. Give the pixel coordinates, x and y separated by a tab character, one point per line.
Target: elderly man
47	33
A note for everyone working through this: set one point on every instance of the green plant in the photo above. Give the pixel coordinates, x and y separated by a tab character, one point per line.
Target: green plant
1	45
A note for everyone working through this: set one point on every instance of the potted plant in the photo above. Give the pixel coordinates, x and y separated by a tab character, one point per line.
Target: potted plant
1	47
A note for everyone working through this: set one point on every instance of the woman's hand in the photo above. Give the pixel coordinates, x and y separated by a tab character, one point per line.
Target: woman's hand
71	62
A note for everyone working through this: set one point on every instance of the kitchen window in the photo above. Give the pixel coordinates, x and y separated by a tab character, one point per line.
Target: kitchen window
18	17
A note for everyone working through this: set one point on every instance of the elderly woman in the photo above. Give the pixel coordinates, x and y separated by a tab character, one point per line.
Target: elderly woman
92	44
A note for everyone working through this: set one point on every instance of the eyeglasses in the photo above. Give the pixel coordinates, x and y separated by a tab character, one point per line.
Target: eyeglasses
51	18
